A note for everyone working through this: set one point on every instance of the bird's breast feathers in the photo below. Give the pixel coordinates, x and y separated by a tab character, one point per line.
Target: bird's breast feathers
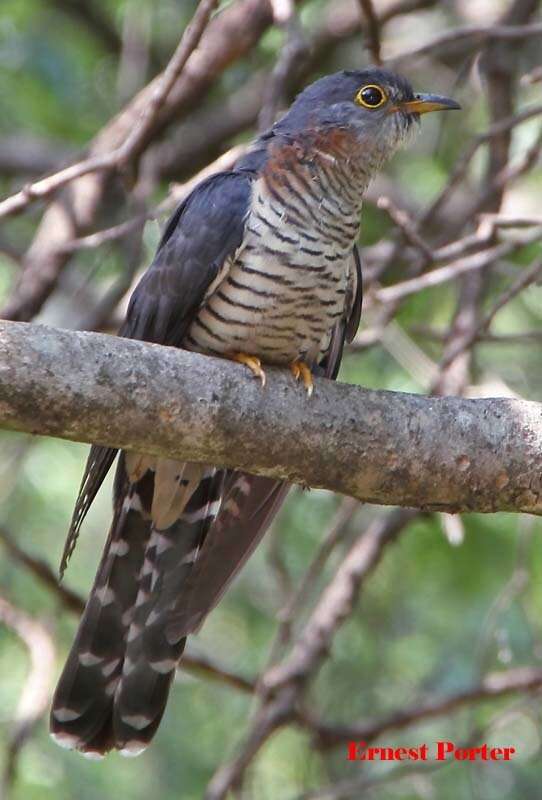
283	291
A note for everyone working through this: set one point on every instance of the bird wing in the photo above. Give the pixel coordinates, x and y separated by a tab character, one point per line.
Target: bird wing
347	326
354	299
197	245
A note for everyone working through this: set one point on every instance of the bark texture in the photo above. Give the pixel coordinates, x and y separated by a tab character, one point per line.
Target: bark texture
444	453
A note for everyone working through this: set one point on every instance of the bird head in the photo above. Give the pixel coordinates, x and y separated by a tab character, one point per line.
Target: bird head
377	106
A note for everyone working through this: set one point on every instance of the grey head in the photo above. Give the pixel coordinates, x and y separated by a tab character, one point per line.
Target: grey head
379	106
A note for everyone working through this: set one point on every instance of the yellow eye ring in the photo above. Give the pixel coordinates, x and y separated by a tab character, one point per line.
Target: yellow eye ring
371	96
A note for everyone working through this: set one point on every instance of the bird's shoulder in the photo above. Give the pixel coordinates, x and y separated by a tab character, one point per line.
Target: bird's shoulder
204	232
211	206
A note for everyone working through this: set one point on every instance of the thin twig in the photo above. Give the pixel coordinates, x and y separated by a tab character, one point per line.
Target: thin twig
373	30
444	274
337	602
497	684
288	64
503	221
34	698
42	571
528	277
281	685
407	225
473	35
188	44
298	597
178	192
460	169
268	719
119	158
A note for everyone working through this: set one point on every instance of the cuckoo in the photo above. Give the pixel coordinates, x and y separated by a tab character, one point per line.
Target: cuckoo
260	265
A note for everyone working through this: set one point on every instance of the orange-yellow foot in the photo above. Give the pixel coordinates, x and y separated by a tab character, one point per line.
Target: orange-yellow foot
300	370
254	364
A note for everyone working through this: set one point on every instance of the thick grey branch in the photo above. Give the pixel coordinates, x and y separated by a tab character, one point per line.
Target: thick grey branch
444	453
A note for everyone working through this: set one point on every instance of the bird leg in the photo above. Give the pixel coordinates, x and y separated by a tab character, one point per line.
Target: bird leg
254	364
300	370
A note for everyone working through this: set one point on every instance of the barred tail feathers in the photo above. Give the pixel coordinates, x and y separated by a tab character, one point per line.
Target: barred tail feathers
150	659
180	534
81	714
114	687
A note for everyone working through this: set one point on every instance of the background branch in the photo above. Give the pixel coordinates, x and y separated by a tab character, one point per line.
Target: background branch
230	35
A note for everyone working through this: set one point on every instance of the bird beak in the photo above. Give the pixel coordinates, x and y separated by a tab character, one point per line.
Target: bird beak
424	103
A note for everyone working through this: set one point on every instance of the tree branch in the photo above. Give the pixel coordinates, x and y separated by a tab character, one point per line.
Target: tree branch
137	137
337	601
373	30
471	35
73	212
446	454
496	684
36	691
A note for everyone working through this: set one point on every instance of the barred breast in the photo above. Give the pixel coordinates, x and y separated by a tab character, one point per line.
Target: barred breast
282	293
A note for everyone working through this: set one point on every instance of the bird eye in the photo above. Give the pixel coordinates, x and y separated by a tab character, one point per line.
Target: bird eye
371	96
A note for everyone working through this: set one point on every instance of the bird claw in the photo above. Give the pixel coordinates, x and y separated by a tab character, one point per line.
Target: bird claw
254	364
300	370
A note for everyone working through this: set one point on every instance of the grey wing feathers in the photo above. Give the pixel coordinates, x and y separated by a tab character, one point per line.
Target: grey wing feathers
98	463
346	327
355	298
201	236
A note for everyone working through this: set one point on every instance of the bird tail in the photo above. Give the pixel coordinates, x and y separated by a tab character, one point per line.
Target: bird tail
151	659
114	687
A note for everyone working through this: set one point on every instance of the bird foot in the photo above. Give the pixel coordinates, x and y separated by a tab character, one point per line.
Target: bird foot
300	370
254	364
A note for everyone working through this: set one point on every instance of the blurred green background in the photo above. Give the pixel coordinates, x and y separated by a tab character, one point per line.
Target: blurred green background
436	616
